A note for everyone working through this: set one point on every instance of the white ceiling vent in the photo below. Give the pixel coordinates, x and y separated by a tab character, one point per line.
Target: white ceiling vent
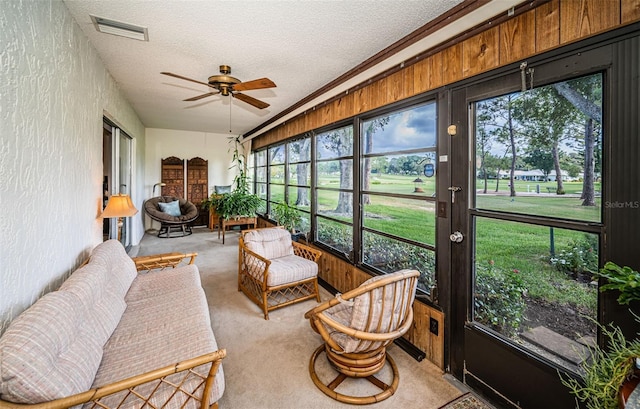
104	25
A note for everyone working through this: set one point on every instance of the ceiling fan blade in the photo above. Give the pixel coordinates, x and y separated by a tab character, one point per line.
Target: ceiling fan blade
251	100
185	78
208	94
255	84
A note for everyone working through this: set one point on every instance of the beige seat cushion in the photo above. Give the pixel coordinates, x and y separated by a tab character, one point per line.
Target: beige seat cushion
289	269
166	321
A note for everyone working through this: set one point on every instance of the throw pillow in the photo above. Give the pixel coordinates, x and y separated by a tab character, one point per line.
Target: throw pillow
222	189
171	208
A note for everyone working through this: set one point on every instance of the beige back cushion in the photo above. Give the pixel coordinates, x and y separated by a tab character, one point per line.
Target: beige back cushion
383	309
46	352
53	349
270	243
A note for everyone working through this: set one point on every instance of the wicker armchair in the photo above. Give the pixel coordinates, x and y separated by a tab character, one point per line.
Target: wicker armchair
180	224
357	327
274	271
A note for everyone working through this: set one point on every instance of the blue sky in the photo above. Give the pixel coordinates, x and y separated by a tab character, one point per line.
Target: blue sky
410	129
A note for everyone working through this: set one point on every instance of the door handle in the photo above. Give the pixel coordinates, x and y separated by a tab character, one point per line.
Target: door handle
456	237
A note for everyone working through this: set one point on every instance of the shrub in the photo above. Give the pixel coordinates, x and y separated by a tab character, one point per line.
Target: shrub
385	254
499	301
581	257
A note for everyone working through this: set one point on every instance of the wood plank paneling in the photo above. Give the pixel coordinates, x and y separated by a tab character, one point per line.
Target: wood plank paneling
582	18
452	64
436	77
516	41
377	94
481	52
630	11
420	336
407	82
547	28
421	73
361	101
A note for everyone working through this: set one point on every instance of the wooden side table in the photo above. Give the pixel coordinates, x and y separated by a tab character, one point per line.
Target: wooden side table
224	223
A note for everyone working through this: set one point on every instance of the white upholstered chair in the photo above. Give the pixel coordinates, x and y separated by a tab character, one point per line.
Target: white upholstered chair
274	271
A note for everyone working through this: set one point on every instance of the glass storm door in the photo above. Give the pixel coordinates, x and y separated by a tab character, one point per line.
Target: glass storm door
529	168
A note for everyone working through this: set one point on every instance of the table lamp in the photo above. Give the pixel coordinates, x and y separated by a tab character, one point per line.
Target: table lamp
119	206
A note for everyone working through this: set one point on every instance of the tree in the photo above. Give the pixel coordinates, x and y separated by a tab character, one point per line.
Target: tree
540	158
340	142
302	147
584	94
369	131
548	122
498	119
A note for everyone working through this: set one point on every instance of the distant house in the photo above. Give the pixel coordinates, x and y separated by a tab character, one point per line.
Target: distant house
536	175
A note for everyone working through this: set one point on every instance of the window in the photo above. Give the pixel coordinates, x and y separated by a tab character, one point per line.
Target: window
298	183
334	189
369	187
398	191
260	185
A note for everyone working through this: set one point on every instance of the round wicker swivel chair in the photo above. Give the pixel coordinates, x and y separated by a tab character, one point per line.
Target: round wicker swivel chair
180	225
357	327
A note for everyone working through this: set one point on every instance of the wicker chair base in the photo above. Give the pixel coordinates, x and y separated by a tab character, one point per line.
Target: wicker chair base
364	365
168	231
278	297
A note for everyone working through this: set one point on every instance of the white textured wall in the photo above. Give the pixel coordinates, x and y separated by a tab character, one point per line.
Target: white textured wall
162	143
54	91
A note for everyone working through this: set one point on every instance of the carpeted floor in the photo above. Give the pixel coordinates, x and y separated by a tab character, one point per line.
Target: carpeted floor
267	361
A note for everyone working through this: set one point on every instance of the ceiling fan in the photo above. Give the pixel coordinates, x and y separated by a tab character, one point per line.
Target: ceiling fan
226	85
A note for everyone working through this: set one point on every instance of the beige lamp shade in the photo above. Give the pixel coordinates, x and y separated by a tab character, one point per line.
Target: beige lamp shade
119	206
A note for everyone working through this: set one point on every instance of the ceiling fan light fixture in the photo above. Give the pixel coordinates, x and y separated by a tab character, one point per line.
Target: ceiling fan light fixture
119	28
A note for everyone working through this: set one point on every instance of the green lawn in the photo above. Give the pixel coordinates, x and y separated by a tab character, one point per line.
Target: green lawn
509	245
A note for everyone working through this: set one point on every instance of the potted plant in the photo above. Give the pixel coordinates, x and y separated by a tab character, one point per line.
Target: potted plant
287	216
624	279
606	371
240	202
611	374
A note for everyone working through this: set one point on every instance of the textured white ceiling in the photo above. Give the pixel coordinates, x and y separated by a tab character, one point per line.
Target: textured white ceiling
300	45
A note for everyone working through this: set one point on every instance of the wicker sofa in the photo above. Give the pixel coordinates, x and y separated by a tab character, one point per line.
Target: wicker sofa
114	336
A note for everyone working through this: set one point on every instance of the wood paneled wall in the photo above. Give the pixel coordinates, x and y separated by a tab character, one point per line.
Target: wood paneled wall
550	25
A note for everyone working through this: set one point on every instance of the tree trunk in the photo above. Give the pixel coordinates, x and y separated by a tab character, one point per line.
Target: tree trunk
588	190
512	140
303	197
368	147
556	166
484	173
345	199
498	180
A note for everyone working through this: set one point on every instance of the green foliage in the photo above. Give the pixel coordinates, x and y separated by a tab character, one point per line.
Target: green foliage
624	279
385	254
580	257
605	370
499	301
239	158
287	216
236	204
240	202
